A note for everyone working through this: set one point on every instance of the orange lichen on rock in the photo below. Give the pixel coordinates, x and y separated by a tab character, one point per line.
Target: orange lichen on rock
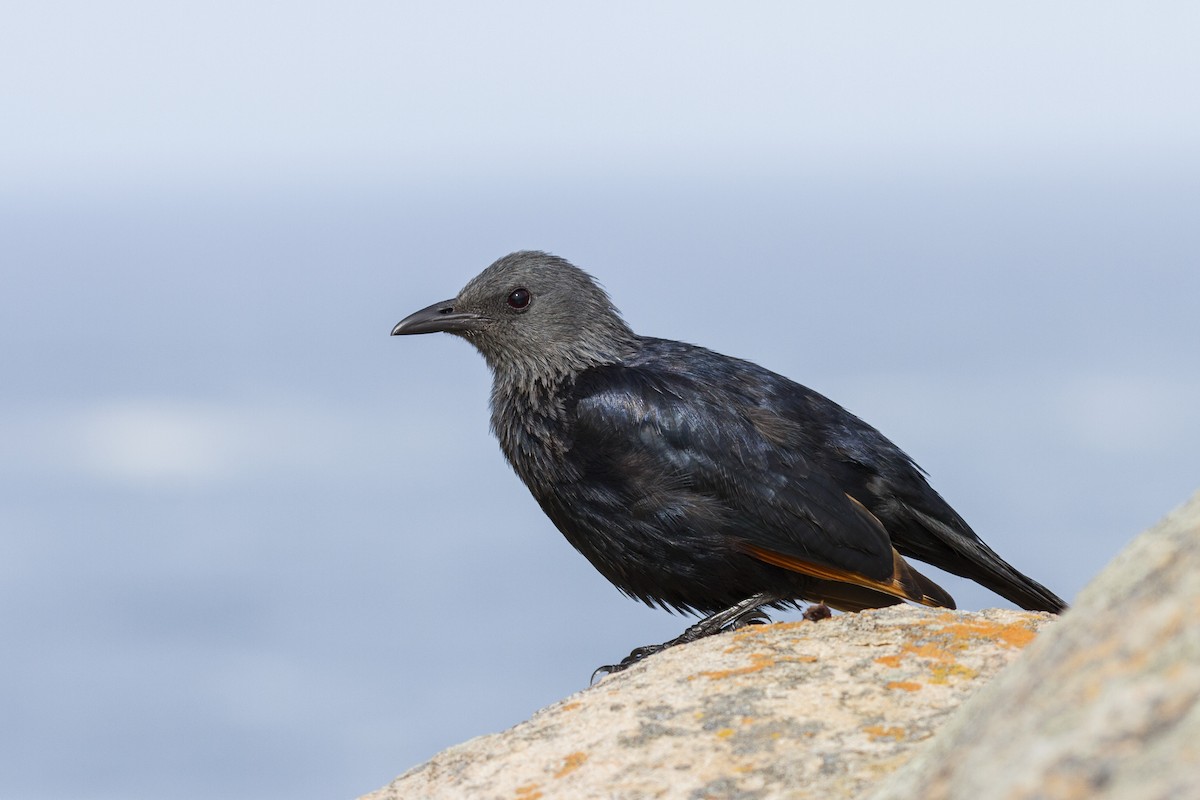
930	651
908	686
1013	634
942	673
877	732
761	630
758	661
571	763
945	636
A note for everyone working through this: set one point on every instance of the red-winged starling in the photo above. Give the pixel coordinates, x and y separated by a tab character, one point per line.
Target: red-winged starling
696	481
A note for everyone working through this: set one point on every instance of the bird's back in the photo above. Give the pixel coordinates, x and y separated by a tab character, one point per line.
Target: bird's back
676	469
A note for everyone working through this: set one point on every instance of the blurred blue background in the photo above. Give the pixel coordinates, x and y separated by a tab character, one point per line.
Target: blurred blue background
252	547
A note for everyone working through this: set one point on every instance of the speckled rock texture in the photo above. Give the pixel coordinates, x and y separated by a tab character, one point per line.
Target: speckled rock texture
805	709
1103	706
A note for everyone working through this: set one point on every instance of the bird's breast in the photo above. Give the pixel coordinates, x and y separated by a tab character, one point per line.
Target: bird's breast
534	437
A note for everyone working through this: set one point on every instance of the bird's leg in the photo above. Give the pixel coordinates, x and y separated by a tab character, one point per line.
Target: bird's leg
747	612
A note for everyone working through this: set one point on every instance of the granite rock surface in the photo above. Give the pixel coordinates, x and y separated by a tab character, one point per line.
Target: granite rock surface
803	709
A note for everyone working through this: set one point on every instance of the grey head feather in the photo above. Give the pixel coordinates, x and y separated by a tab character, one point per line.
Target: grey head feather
568	325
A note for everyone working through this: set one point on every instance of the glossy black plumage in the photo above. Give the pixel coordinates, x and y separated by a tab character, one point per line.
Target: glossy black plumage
693	480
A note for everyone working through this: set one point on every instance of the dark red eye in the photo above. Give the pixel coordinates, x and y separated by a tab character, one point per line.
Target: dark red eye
519	298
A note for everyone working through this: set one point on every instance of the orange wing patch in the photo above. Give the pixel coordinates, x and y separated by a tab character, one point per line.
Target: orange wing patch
904	582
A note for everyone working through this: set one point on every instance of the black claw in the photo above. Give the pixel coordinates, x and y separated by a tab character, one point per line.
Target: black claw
628	661
604	671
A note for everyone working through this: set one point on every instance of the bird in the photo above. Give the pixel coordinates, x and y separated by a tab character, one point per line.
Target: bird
698	482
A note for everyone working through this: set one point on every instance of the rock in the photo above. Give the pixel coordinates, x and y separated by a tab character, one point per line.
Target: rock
803	709
1104	705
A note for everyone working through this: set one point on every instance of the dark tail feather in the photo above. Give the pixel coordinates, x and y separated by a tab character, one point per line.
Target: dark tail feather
930	590
999	576
968	556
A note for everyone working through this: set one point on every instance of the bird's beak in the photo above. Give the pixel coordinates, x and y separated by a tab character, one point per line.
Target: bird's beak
438	317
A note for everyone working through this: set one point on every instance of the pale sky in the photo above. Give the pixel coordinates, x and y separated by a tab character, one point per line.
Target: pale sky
130	92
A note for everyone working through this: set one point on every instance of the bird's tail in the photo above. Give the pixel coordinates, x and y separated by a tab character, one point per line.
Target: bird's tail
973	559
1003	579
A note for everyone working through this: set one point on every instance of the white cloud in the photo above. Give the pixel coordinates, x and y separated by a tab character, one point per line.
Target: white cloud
160	443
138	442
164	443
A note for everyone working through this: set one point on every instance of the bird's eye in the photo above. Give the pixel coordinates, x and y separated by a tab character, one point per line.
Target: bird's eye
519	298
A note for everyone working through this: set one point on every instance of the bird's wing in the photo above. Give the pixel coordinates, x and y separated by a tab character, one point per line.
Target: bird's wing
697	455
920	523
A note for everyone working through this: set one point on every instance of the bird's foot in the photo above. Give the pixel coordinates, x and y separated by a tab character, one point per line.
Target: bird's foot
634	657
747	612
817	612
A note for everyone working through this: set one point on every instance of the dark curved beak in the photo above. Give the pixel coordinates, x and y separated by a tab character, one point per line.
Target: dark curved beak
438	317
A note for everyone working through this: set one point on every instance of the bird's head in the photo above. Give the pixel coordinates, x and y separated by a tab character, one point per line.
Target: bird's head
530	311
